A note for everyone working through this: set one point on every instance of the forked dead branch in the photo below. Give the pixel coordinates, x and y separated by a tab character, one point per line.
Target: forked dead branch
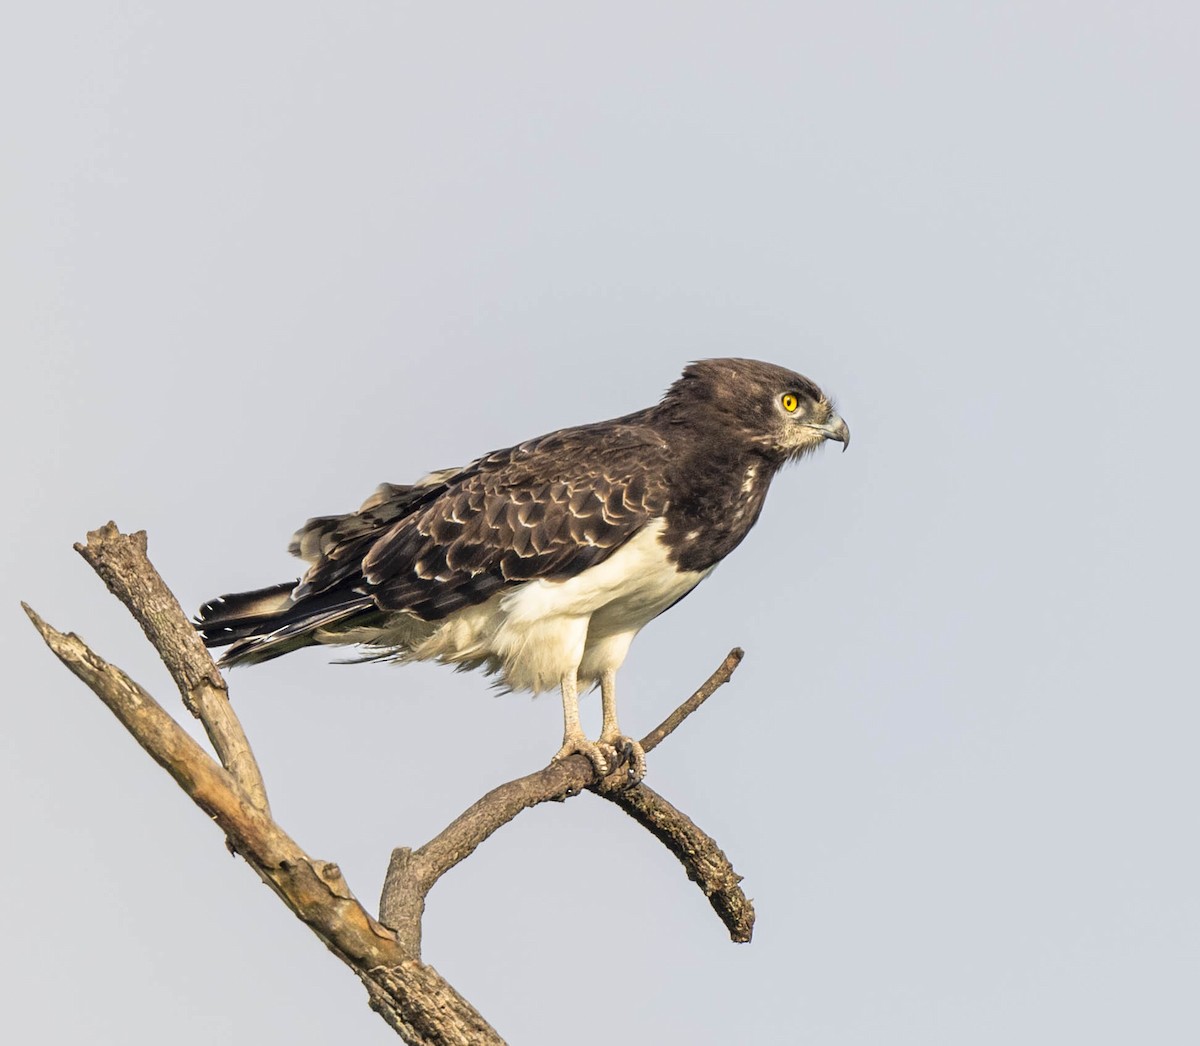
384	953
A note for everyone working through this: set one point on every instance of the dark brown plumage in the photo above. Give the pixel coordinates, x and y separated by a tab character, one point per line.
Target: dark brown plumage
434	569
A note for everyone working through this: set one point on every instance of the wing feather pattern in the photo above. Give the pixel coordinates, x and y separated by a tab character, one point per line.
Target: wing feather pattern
548	508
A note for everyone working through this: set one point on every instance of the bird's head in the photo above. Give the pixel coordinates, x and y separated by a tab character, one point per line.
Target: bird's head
781	413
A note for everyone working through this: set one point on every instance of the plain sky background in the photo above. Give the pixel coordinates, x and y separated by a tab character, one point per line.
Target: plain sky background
259	257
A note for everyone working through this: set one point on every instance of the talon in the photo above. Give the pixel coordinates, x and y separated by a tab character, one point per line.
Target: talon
637	761
582	746
630	757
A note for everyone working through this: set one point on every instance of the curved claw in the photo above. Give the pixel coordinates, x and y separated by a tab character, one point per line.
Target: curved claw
630	757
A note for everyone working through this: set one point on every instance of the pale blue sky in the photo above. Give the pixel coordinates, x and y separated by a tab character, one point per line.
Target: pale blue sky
258	258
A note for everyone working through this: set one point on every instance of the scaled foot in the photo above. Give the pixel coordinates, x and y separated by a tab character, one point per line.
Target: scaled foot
629	766
578	744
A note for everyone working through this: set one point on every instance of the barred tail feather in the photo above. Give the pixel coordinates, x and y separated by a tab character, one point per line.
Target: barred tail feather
230	617
266	623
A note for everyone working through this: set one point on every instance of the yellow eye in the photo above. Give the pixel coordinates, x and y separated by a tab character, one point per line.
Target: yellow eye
789	401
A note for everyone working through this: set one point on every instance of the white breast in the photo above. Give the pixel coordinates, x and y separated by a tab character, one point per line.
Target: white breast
539	631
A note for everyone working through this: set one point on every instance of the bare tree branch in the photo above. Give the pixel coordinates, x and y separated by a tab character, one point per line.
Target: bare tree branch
412	997
703	860
706	690
120	560
412	873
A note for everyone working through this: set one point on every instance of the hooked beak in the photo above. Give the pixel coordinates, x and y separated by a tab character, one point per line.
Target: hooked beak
836	429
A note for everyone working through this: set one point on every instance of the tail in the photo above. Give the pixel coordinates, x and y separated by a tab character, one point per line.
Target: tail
268	622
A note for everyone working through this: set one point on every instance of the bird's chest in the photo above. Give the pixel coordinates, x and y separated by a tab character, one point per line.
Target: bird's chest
709	516
542	629
625	591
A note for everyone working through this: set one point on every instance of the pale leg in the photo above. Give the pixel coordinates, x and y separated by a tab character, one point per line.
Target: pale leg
573	737
610	733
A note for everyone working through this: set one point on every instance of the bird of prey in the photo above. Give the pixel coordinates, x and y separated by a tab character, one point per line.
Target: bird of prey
541	562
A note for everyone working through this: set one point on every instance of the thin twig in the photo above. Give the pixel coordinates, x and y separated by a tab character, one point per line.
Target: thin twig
709	687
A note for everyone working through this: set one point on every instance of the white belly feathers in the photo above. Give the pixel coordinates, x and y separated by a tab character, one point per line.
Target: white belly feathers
534	634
